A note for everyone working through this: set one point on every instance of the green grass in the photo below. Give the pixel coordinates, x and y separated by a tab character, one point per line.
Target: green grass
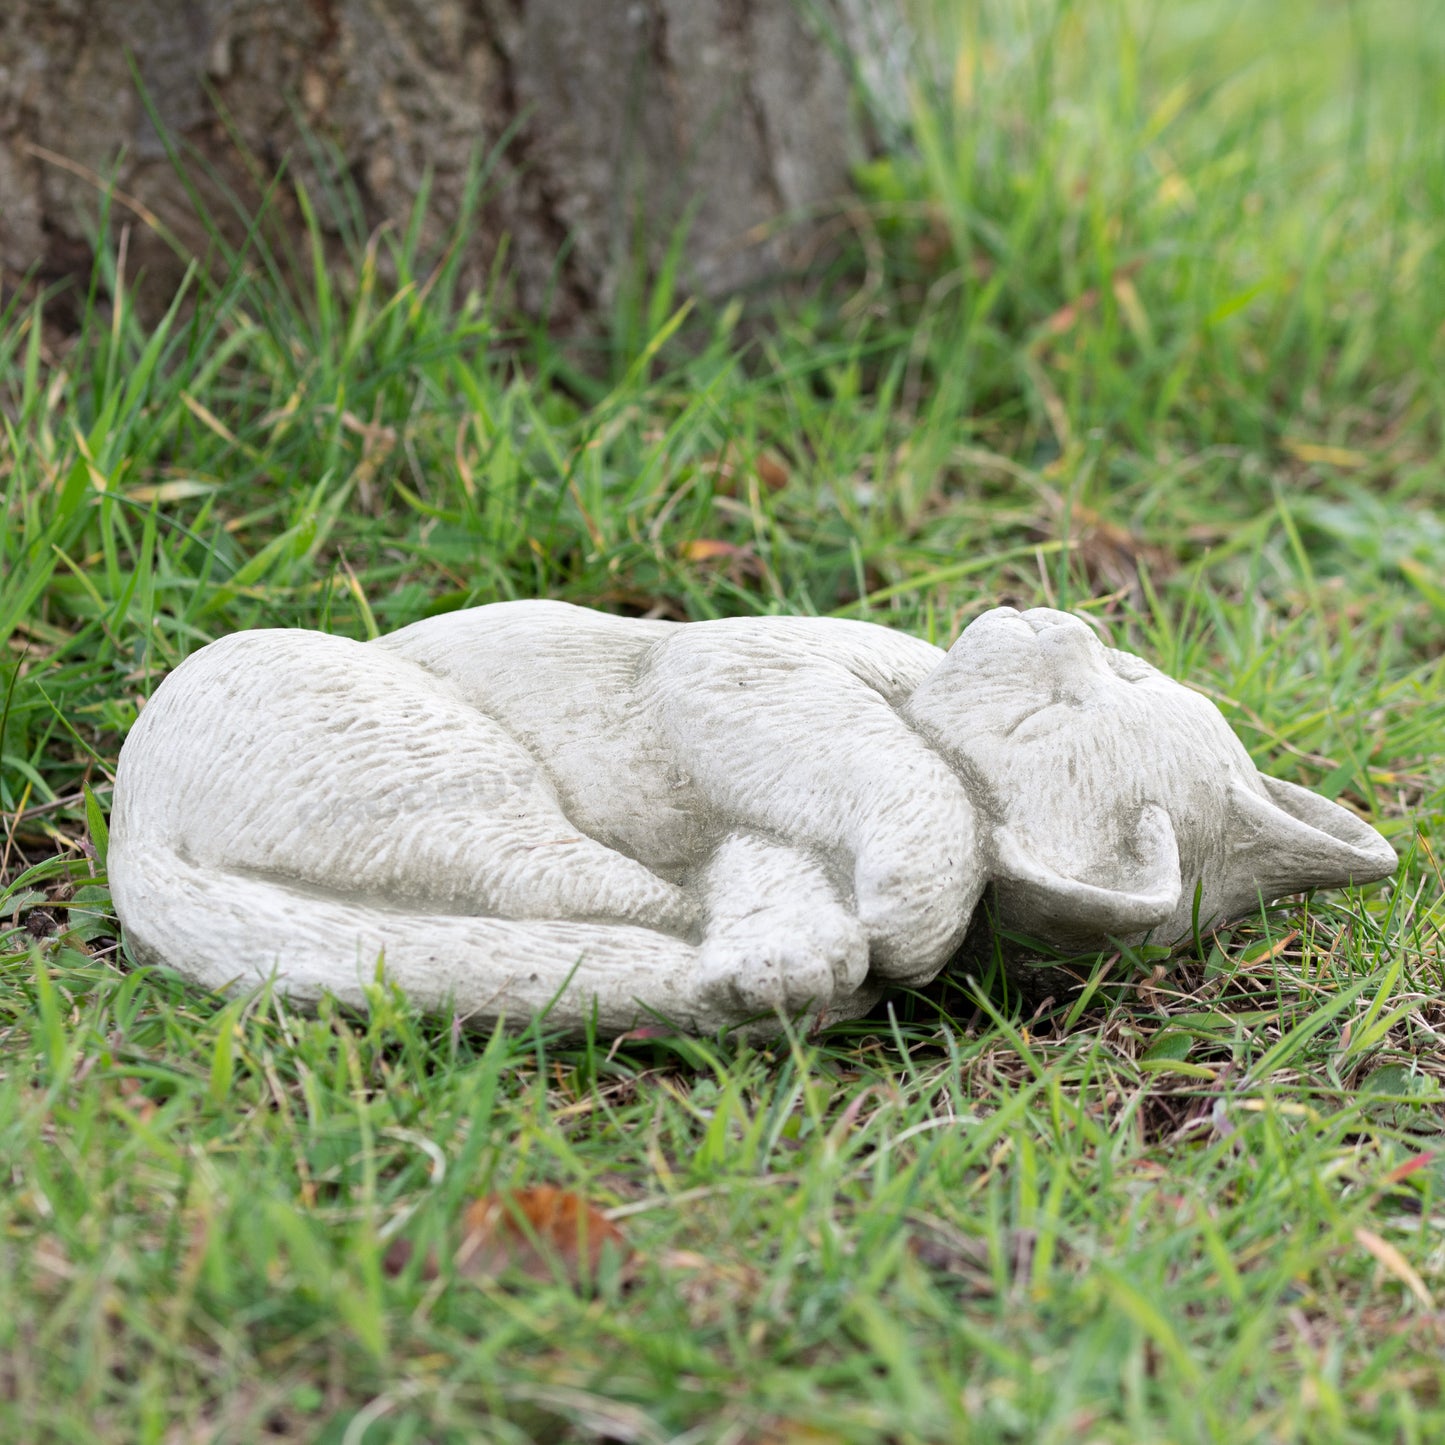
1148	320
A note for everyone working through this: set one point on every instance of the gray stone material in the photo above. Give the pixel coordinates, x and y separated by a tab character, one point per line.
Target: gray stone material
533	805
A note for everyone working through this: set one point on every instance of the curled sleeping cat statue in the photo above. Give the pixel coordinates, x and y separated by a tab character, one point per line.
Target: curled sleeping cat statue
532	806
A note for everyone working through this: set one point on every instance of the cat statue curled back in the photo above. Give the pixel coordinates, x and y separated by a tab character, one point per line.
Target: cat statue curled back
531	804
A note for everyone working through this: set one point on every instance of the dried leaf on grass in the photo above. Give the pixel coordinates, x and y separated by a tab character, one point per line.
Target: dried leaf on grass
541	1233
709	549
731	467
537	1232
741	563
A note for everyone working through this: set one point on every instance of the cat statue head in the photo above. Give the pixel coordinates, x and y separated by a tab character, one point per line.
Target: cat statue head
1109	794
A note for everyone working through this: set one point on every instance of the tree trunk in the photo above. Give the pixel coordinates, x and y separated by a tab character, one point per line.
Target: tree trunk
625	116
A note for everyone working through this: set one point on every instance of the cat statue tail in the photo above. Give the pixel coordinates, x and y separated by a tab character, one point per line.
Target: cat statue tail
303	808
234	931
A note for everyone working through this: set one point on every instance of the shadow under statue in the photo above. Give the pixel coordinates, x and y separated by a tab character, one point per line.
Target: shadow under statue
532	804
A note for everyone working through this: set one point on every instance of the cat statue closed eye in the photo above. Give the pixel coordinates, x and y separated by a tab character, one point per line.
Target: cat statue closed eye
531	806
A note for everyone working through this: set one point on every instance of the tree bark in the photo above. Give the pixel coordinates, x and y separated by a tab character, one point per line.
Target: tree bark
620	118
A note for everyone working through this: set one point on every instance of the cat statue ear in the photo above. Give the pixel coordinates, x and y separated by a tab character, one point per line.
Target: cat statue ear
1142	894
1281	840
1291	839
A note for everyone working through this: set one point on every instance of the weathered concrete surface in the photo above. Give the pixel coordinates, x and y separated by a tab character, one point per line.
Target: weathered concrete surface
531	804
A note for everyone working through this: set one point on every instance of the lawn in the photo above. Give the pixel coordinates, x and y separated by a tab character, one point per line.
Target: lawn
1144	316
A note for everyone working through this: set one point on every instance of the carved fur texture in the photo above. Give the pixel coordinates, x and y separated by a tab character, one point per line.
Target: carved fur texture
533	806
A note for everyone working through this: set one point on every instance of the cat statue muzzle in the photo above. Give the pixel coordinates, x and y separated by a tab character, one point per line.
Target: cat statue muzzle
531	806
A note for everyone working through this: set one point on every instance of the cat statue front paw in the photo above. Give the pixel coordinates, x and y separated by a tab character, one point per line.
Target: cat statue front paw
778	939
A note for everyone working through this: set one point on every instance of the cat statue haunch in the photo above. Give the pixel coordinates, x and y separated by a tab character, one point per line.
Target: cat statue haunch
531	805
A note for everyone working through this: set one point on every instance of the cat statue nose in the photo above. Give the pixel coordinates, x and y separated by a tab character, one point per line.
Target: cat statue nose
1074	656
1050	619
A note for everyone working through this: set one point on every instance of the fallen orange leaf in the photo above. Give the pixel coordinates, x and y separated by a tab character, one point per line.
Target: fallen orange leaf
541	1232
772	473
729	466
706	549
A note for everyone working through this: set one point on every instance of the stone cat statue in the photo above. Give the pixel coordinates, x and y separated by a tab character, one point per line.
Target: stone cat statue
532	805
